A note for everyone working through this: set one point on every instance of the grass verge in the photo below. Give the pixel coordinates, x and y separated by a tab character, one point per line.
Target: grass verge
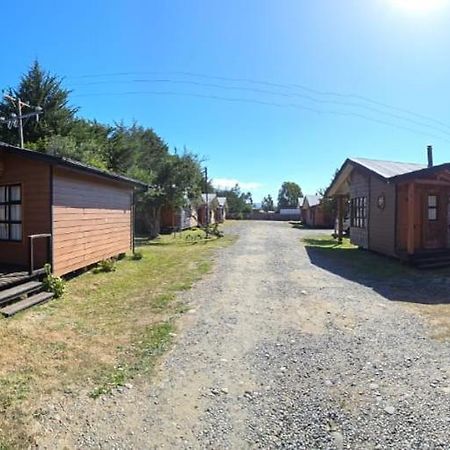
106	329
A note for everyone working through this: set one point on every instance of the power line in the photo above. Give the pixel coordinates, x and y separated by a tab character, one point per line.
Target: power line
282	94
266	103
272	84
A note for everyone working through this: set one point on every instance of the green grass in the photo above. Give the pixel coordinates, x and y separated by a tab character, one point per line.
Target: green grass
107	328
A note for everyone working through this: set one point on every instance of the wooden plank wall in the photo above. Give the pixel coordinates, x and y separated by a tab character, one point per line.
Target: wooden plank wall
92	220
34	177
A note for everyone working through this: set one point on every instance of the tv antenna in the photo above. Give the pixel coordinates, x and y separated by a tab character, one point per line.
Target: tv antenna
16	120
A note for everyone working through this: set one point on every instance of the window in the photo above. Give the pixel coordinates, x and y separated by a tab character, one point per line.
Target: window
11	213
358	211
432	207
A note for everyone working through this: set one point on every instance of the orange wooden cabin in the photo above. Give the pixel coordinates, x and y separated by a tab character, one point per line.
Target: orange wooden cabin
60	211
398	209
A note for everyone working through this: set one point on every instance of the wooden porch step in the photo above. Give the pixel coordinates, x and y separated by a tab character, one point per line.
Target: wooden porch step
14	308
12	293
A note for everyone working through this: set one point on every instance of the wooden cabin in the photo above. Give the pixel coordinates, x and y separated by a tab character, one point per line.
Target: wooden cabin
397	209
62	212
206	211
179	219
221	210
313	213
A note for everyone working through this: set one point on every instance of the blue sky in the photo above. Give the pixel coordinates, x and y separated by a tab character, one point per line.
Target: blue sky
265	90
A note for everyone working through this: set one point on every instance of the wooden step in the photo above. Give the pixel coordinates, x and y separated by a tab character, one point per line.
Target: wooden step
14	308
12	293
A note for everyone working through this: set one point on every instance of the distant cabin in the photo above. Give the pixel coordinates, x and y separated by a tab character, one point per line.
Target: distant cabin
206	211
60	211
396	208
314	214
221	210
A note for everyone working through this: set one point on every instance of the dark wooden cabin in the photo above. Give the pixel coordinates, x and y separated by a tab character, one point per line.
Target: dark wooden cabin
397	209
313	213
60	211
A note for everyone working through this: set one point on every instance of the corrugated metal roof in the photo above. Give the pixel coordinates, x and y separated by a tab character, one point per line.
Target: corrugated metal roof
388	169
313	200
222	201
211	197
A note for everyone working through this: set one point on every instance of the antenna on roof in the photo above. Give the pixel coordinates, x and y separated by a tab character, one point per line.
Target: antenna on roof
430	155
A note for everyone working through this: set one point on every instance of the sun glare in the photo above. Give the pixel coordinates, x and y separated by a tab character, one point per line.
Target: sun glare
420	6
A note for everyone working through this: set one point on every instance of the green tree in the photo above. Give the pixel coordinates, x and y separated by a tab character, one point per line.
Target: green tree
39	88
289	194
267	204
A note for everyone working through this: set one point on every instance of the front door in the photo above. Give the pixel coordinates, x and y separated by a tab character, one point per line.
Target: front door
436	219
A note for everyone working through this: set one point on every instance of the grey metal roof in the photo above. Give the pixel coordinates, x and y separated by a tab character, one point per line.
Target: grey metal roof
70	163
211	197
313	200
222	201
388	169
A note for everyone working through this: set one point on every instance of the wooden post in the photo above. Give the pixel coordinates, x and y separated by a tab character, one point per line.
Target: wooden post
340	207
410	240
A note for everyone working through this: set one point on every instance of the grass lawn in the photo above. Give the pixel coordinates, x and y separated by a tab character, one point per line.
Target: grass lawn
106	329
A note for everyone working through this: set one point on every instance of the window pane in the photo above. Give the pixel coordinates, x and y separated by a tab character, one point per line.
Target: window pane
4	231
3	212
16	232
15	212
432	214
15	194
432	200
3	194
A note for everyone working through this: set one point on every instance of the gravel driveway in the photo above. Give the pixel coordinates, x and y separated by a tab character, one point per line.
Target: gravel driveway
278	353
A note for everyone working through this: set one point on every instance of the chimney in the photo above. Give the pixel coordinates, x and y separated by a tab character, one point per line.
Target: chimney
430	156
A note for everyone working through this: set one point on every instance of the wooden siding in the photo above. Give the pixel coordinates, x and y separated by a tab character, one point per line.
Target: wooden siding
91	220
382	220
34	177
359	187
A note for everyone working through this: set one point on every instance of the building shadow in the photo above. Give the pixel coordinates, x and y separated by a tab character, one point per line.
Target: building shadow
388	277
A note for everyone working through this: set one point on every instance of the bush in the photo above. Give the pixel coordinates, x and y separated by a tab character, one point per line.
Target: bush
137	255
106	265
53	283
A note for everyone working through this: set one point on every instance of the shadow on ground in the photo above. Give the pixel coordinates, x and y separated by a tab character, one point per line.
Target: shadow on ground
388	277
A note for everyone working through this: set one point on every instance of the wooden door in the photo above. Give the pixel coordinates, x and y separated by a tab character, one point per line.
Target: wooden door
435	219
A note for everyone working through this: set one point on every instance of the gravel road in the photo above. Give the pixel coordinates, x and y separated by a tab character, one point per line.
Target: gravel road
277	352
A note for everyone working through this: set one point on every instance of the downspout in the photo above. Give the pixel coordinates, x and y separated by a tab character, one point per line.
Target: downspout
133	219
50	246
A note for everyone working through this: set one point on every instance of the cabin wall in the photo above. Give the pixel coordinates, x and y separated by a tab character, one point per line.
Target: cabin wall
92	220
34	178
359	187
382	220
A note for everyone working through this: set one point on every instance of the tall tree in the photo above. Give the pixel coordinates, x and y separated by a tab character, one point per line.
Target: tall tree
39	88
289	194
267	204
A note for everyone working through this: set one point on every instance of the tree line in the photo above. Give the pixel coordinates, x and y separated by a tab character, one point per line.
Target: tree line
175	177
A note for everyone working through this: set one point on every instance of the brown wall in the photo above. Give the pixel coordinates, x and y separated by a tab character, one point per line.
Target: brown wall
34	177
382	220
359	187
92	220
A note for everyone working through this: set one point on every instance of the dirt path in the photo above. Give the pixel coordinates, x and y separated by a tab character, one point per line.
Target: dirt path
277	353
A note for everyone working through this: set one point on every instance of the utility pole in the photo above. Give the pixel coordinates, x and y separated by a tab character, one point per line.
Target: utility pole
16	120
205	172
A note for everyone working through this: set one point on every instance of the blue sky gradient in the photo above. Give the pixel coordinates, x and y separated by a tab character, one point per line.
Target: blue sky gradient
266	91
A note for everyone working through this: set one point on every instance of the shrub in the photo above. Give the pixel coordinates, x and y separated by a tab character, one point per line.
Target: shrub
137	255
53	283
106	265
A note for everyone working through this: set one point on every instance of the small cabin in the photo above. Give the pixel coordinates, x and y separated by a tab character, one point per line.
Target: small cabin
397	209
58	211
206	211
314	214
221	210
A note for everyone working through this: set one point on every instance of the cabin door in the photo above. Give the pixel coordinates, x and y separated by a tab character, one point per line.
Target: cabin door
435	219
